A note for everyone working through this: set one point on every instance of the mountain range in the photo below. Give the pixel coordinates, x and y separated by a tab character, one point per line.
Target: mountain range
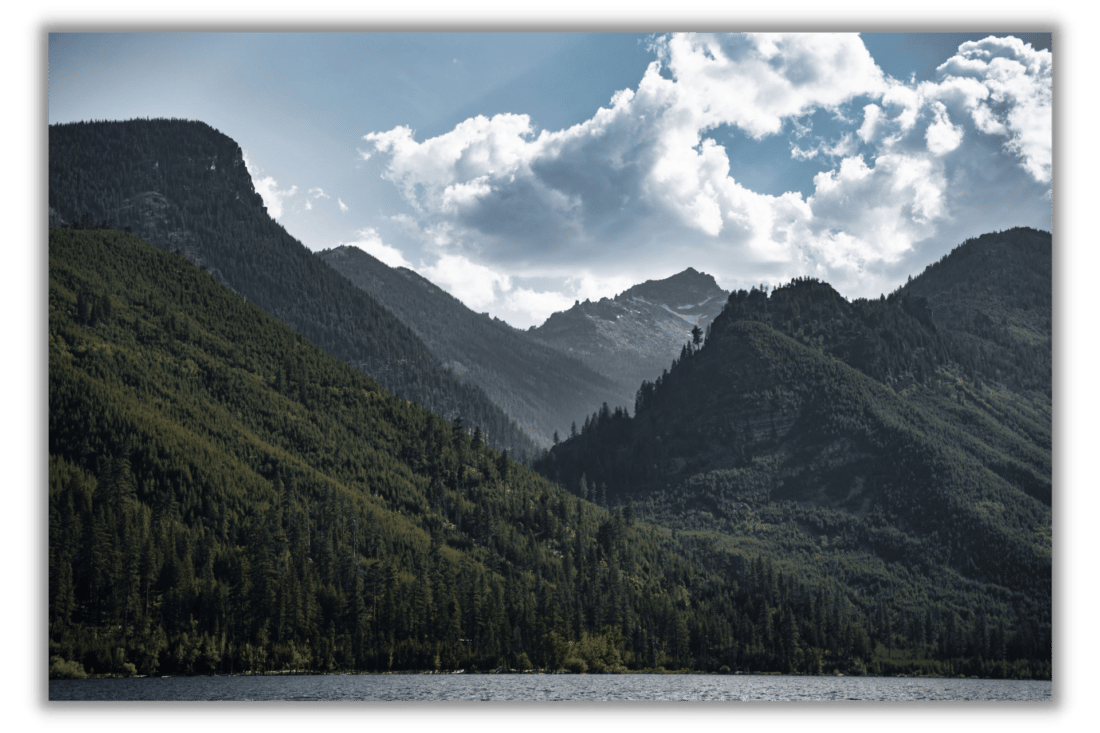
539	387
183	186
819	485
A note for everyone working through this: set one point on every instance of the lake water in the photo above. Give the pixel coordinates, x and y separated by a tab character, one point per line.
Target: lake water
537	687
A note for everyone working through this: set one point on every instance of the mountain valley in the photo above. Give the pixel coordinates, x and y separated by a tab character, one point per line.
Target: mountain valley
540	388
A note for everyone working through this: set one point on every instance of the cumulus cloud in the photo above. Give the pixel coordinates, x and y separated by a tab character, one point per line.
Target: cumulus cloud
1011	94
641	161
343	206
273	197
868	130
942	136
655	173
843	146
530	306
864	215
371	242
475	285
527	307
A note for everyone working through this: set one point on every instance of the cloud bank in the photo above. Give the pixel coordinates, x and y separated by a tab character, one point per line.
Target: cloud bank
646	185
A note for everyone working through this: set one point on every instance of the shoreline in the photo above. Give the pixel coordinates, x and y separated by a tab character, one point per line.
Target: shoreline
655	672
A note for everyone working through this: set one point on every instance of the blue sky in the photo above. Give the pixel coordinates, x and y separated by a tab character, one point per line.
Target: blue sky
522	171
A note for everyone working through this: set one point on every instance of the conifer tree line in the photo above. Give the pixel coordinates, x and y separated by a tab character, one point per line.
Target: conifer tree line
224	497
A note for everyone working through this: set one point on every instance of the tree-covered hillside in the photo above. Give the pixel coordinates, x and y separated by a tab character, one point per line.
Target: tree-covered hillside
993	293
225	497
183	186
865	441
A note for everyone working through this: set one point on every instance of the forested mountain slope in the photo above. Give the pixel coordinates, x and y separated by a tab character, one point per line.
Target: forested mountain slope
225	497
183	186
994	293
862	440
541	389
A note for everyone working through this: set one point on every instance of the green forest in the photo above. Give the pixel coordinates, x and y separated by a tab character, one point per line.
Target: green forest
867	442
225	497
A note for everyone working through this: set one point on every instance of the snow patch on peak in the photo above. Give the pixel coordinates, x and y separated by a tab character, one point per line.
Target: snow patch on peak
693	320
695	305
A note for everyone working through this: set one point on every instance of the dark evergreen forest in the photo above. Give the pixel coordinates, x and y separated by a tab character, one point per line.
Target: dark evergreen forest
227	497
905	456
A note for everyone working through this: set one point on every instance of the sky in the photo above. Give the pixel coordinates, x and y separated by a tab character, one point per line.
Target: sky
524	171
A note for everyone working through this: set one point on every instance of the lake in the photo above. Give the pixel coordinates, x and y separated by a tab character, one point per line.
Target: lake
539	687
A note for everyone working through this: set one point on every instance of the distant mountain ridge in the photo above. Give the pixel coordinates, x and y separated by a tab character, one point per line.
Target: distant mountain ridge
635	335
540	388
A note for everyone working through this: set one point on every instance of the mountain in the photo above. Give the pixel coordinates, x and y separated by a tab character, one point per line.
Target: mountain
226	497
993	293
183	186
822	486
635	335
872	441
541	389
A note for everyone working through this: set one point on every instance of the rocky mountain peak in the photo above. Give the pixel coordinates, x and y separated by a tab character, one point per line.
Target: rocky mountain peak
684	289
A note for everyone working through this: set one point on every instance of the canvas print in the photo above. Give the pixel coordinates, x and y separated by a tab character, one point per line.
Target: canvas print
550	366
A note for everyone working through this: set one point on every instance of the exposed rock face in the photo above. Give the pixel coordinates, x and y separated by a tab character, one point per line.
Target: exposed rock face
636	335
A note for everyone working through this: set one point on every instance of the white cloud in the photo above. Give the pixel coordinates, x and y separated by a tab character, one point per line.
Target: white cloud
843	146
343	206
525	307
872	113
942	136
868	214
588	286
641	161
475	285
645	183
476	148
370	242
1018	80
757	80
268	189
905	101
